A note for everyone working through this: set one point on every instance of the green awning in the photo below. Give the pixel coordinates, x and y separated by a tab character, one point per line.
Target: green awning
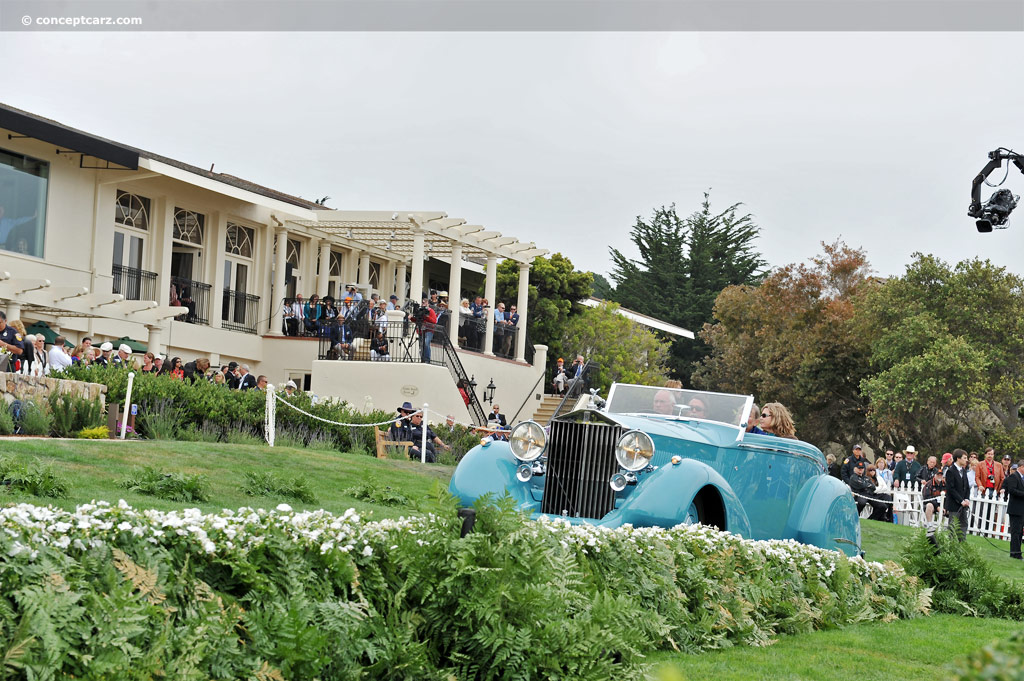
42	329
135	345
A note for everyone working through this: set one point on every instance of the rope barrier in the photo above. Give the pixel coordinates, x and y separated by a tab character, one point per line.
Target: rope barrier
339	423
270	415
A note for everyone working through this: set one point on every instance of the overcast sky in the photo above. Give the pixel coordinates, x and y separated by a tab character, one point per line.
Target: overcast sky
563	139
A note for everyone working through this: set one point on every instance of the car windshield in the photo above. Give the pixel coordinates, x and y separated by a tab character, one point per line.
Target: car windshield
733	410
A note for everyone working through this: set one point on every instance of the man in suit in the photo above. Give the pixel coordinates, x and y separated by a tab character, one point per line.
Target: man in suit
1014	486
246	381
958	503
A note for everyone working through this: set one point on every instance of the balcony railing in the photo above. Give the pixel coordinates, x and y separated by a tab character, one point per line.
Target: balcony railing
195	295
134	284
241	311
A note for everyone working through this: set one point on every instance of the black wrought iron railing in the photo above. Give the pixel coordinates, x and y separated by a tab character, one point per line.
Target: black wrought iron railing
195	295
412	341
241	311
473	336
133	283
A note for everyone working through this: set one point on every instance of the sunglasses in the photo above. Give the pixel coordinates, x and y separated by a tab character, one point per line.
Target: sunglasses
765	415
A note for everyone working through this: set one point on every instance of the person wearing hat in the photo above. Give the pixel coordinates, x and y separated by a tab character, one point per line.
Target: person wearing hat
417	424
290	388
158	365
105	350
863	489
354	294
393	302
123	356
230	375
1014	486
851	462
906	471
401	430
560	378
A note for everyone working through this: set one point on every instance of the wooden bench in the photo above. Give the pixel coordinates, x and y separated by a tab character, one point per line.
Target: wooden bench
384	443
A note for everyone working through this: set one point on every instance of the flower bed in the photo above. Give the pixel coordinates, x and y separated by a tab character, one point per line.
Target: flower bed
111	590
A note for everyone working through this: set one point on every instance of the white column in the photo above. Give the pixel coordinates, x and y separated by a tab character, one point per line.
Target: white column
262	283
215	257
521	303
13	311
416	285
156	339
400	284
325	268
364	275
161	251
454	286
277	294
489	286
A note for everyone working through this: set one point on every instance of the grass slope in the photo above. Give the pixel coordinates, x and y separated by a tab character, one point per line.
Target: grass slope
95	467
923	648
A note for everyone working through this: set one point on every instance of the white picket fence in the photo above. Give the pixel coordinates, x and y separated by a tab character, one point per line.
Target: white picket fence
987	518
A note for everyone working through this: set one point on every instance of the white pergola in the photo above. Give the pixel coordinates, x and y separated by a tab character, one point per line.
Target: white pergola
39	295
406	240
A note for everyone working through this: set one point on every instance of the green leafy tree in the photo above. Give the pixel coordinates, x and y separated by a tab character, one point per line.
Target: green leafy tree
945	353
621	349
683	265
555	291
794	339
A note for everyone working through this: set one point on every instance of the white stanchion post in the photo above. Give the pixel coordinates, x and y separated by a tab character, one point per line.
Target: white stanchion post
269	417
423	444
127	404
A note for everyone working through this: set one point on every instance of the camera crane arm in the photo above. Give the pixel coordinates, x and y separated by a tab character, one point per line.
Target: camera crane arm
996	158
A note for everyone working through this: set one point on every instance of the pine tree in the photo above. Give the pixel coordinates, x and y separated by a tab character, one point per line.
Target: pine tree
683	265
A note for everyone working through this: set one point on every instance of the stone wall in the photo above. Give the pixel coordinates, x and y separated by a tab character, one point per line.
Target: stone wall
21	387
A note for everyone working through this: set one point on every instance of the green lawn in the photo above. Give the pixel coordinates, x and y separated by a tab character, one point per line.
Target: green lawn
883	541
94	468
924	648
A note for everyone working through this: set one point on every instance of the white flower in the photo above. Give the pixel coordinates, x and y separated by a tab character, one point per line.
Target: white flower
284	508
367	550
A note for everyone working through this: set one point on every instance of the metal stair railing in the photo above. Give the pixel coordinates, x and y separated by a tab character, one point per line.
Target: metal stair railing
454	364
576	388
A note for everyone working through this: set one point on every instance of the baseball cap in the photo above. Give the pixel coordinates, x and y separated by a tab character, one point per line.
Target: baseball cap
107	347
856	447
125	348
291	384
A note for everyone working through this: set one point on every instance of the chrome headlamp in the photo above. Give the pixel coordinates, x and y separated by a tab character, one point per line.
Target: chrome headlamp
528	441
634	450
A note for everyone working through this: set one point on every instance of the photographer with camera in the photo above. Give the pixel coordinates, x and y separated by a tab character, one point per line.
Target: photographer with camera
426	324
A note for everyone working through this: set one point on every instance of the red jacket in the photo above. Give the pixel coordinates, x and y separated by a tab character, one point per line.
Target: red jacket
981	474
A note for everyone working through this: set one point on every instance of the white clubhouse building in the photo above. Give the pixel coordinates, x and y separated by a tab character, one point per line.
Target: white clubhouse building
101	239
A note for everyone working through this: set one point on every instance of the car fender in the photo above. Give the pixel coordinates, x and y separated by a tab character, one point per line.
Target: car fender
489	469
824	514
664	497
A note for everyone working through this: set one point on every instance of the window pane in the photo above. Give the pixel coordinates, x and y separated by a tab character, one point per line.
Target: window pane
118	249
23	183
135	257
132	210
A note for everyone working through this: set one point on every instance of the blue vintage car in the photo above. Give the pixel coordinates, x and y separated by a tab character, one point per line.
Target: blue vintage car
660	457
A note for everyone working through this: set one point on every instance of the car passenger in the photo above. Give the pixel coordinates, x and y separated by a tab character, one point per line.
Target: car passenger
776	420
664	403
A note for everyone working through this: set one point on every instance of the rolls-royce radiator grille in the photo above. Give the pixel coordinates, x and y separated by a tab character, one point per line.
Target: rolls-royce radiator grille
581	461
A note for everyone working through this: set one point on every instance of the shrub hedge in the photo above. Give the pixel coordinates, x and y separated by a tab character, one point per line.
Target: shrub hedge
111	592
204	411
